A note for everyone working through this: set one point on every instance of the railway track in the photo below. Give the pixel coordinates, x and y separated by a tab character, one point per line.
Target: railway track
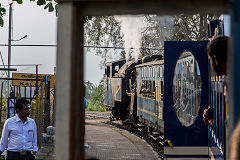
156	140
97	115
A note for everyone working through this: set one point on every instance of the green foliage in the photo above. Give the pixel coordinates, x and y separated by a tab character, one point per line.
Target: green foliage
190	27
97	100
51	5
103	31
89	89
18	1
41	2
88	18
4	110
1	22
2	13
4	105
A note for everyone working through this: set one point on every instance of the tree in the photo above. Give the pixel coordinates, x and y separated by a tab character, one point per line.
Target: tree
2	13
96	102
190	28
50	5
158	30
89	89
105	31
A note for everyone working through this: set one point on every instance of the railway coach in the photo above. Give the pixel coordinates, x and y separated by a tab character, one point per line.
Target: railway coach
150	91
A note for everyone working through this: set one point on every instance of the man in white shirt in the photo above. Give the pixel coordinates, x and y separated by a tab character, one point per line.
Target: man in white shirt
19	135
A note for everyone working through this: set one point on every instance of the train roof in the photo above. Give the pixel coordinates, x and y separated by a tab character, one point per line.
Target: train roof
115	62
124	67
152	63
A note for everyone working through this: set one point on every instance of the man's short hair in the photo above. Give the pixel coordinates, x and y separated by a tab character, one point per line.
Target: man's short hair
209	113
20	102
217	51
218	47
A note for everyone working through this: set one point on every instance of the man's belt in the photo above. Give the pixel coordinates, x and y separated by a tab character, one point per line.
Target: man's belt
22	153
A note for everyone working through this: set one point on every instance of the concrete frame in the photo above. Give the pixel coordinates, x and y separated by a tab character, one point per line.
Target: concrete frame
69	84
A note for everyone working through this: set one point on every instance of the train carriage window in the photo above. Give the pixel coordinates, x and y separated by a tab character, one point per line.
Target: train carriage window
152	72
143	75
155	72
144	72
186	89
149	71
162	91
147	89
161	72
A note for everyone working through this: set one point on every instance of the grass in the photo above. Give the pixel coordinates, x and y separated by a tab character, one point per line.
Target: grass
96	107
2	157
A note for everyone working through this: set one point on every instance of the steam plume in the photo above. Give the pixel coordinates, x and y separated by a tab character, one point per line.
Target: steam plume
131	27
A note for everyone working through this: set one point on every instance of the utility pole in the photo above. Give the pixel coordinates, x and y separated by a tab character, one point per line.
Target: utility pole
9	54
9	44
37	78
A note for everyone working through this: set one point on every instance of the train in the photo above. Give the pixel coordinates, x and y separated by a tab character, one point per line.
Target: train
167	96
135	93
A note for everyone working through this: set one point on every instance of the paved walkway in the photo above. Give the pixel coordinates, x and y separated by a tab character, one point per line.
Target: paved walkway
106	142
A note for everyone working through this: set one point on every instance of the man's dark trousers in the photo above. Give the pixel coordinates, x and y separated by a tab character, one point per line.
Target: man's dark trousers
19	156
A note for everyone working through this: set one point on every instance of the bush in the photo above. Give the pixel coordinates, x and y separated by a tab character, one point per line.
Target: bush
96	101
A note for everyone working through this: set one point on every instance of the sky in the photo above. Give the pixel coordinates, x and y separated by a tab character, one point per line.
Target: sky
40	26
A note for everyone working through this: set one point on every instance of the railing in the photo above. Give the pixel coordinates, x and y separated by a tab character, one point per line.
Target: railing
42	111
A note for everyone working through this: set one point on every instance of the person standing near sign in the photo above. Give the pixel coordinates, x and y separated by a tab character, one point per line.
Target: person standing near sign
19	135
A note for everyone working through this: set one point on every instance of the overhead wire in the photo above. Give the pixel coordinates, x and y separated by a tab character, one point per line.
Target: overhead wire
26	68
3	62
85	46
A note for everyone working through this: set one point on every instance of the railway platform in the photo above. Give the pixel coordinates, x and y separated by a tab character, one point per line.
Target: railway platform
106	142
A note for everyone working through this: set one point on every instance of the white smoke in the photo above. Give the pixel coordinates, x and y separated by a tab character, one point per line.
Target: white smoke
131	28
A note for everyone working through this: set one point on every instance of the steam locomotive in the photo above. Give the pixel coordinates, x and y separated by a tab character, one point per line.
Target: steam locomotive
134	91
